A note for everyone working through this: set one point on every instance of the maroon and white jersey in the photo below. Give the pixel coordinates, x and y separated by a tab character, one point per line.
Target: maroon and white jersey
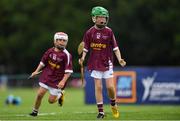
56	64
100	44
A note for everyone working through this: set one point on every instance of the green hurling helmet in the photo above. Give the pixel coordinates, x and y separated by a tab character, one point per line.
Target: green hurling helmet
99	11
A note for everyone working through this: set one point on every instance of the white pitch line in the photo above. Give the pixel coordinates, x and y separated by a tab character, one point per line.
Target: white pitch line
92	112
40	114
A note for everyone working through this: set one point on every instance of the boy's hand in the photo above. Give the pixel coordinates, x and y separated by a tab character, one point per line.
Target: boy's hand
81	60
61	84
34	74
122	62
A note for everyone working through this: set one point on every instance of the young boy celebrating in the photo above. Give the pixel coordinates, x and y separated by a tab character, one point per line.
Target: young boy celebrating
56	67
99	40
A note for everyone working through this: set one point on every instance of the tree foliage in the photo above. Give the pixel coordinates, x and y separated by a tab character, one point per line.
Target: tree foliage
148	32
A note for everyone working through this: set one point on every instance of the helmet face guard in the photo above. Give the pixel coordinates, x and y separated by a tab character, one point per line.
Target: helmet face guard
99	11
60	36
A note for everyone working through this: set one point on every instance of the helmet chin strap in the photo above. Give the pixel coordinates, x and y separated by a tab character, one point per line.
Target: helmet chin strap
60	47
100	26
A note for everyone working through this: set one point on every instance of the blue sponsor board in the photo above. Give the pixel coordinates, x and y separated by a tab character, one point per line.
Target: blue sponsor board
157	85
123	87
153	85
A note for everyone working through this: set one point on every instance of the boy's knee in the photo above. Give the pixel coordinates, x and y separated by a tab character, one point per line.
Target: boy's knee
51	101
99	87
111	89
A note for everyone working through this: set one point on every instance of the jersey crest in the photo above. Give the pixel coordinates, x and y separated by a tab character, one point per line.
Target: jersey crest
98	35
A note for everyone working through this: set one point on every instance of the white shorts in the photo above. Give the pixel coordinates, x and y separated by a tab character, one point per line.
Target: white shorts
102	74
52	91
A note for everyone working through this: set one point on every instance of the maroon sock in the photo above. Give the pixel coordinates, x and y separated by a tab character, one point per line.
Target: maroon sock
100	107
113	102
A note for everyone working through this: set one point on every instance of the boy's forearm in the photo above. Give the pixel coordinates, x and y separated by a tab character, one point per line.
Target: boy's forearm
40	66
118	54
66	76
83	55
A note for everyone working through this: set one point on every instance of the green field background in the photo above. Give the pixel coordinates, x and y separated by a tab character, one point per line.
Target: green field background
74	108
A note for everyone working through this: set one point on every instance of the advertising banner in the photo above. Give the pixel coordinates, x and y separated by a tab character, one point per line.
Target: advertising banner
145	85
125	83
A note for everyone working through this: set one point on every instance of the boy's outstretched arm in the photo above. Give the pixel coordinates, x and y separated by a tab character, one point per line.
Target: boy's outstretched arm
37	71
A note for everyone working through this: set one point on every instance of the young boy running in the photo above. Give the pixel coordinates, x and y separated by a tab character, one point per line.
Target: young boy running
56	67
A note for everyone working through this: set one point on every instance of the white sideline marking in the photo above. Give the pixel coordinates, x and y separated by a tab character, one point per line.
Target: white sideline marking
92	112
39	114
54	113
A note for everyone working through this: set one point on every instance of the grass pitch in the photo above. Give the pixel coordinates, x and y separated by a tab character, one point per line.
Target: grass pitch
75	109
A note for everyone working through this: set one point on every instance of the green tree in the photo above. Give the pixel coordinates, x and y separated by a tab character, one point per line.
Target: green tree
148	32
